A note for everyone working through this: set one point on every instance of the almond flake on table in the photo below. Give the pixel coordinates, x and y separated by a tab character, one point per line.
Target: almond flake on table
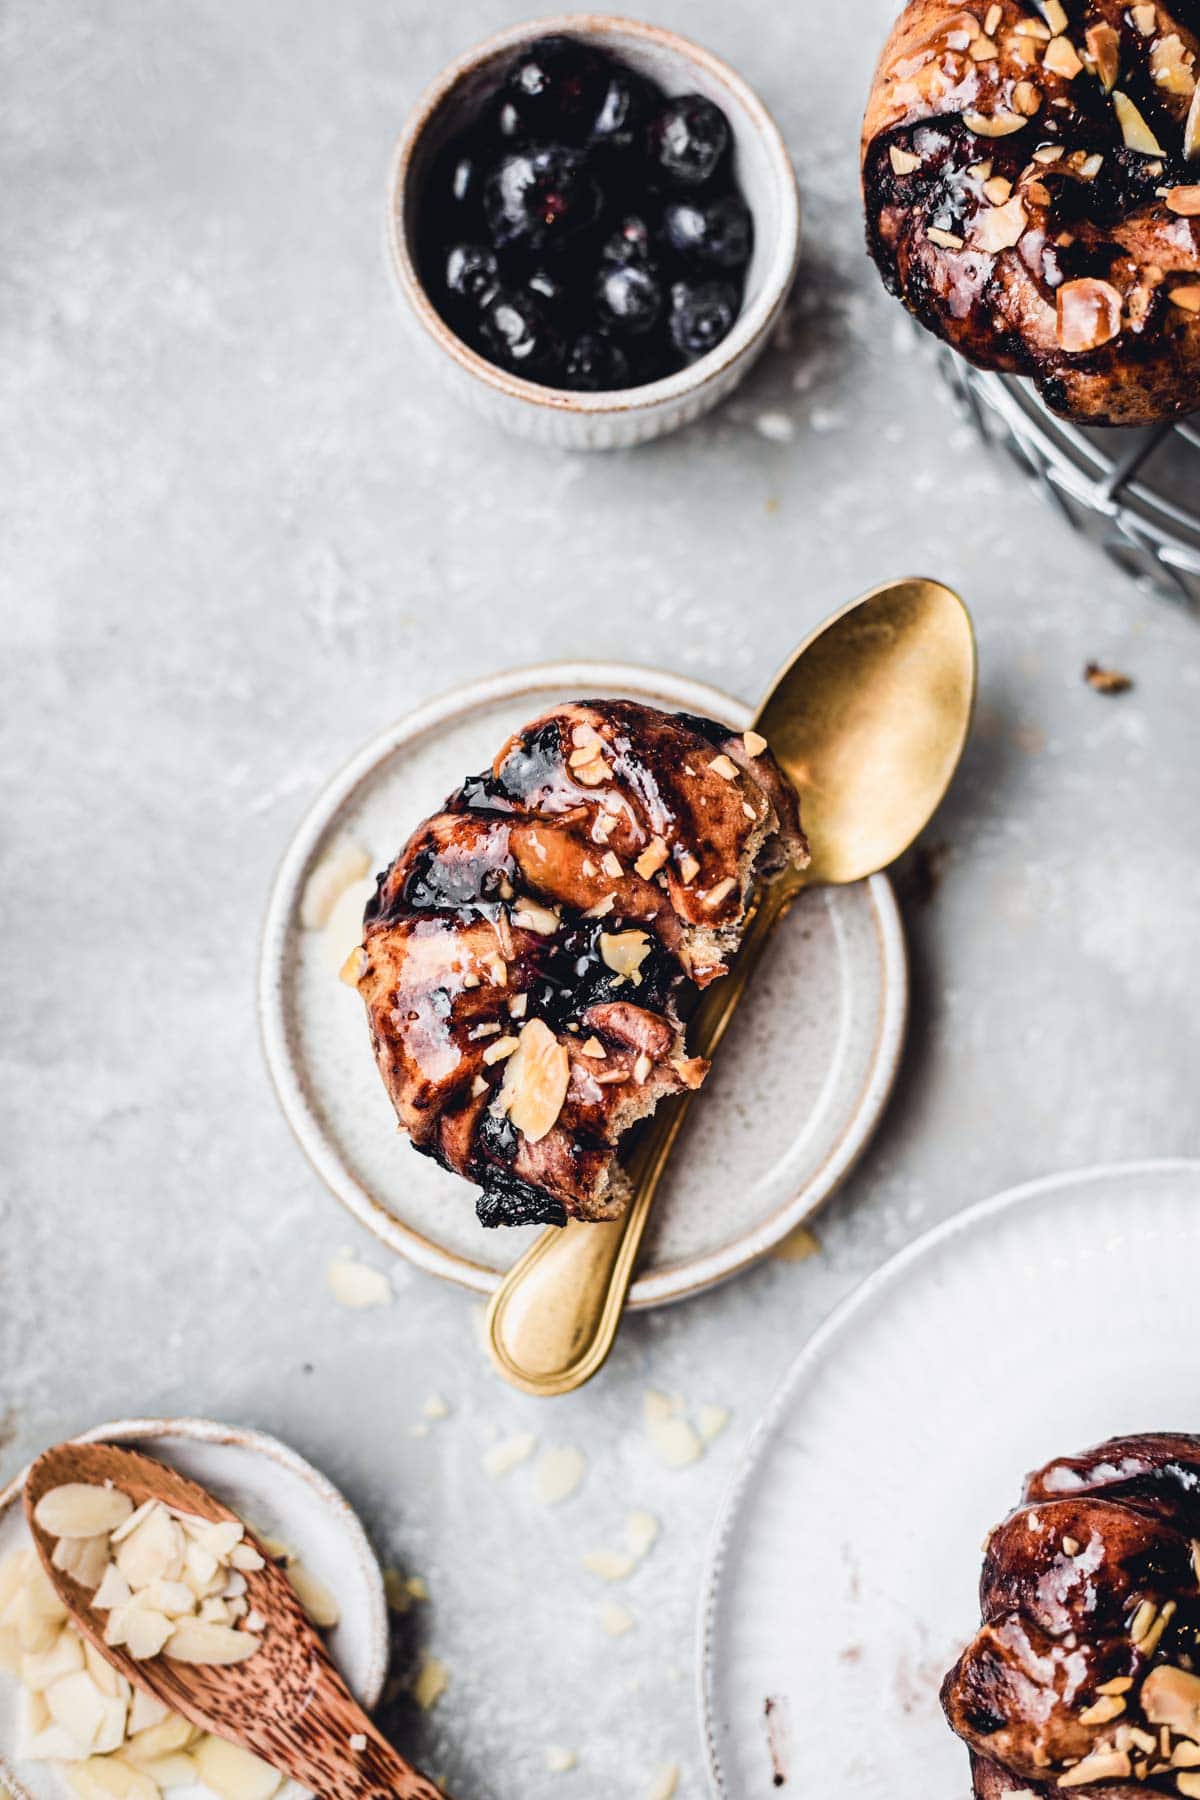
711	1421
430	1682
560	1761
610	1565
641	1533
672	1436
436	1408
615	1620
558	1474
342	934
336	871
508	1454
666	1784
356	1285
318	1601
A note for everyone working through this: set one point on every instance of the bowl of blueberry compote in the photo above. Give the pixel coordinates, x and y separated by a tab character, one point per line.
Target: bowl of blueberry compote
595	224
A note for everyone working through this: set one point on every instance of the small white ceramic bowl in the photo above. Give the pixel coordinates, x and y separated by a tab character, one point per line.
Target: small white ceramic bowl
276	1492
633	415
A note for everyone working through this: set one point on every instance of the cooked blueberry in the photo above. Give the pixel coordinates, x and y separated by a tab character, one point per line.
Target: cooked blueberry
688	139
629	101
515	333
595	364
472	273
550	292
702	313
719	232
629	297
631	245
554	90
535	199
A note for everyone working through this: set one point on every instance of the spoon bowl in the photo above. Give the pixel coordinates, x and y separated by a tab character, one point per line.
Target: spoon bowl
868	718
287	1703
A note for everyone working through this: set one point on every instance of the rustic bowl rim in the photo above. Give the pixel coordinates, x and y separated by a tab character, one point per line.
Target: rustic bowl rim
752	322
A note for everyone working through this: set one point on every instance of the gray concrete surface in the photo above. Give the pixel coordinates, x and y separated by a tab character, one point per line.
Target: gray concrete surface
242	529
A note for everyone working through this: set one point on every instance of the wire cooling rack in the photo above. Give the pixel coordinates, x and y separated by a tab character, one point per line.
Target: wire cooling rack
1135	492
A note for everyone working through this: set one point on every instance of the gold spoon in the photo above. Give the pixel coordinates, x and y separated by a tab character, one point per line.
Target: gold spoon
868	718
286	1703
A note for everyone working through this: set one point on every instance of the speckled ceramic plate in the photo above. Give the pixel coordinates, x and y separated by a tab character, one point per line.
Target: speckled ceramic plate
276	1492
844	1574
800	1081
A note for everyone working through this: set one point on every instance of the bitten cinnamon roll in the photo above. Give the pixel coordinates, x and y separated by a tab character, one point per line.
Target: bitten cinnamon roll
524	954
1085	1674
1031	174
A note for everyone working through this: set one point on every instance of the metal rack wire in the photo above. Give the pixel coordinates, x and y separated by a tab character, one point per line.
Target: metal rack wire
1135	492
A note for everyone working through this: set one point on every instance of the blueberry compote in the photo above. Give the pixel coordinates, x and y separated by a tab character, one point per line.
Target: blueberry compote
586	231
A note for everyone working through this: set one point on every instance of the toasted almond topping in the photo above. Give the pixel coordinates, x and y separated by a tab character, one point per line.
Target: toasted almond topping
1089	314
982	49
1062	58
1033	28
1054	14
611	864
1185	201
624	952
1143	1619
500	1050
585	736
593	1047
1191	131
722	766
593	772
588	867
1001	227
1171	1697
1090	167
721	892
1048	153
754	743
1104	46
992	22
602	908
1134	129
1106	1708
529	915
536	1078
478	1086
497	968
998	189
1120	1684
1028	98
517	1006
947	240
1101	1765
652	858
1172	66
1146	19
903	161
642	1068
1070	1546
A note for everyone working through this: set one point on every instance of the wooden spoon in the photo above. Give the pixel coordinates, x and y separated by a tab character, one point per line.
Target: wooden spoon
287	1703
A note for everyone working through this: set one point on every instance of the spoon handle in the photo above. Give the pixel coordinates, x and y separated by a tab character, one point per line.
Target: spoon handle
316	1749
554	1318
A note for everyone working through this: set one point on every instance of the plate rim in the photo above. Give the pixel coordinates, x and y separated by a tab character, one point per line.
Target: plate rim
893	1270
678	1280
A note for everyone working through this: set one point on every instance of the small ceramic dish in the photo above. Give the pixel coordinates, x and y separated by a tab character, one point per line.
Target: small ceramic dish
277	1493
633	415
796	1093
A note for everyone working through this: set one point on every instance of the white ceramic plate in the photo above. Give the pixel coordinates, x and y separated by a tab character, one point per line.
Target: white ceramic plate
800	1082
844	1574
276	1492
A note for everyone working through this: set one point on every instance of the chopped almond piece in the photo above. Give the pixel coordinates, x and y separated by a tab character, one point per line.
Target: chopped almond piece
1089	314
1185	201
1134	129
903	161
1062	58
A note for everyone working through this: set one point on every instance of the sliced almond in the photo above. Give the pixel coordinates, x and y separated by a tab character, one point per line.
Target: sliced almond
725	767
146	1631
689	868
652	858
994	125
1061	58
1171	1697
80	1510
502	1048
624	952
1134	129
155	1551
1001	227
530	916
536	1078
194	1641
1145	17
1101	1765
233	1773
903	161
1187	297
84	1559
1185	201
1054	14
1173	67
1089	315
593	1048
720	893
1104	46
41	1669
318	1601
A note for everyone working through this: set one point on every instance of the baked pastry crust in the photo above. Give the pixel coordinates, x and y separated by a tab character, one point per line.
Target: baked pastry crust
1090	1642
523	954
1032	193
